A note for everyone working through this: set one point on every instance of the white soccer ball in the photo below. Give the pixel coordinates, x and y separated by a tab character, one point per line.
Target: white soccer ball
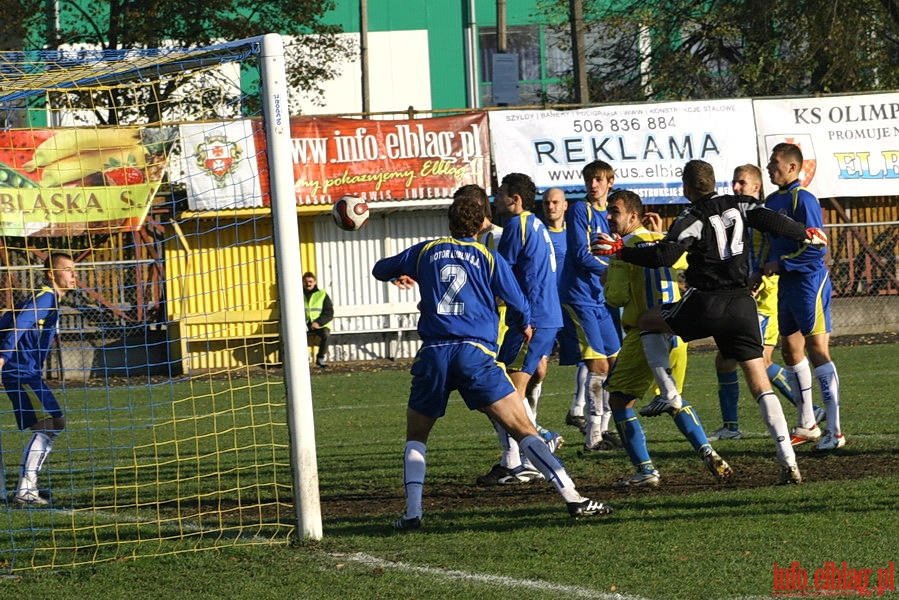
350	213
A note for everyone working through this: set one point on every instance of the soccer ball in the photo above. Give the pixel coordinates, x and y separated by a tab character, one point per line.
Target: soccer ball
350	213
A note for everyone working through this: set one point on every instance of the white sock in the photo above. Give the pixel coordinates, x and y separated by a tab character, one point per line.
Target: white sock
579	399
532	417
33	457
414	467
534	394
545	462
511	456
657	349
606	411
594	408
829	383
800	376
774	419
522	458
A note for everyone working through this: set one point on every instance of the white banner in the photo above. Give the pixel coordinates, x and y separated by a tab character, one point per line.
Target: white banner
220	163
646	144
850	143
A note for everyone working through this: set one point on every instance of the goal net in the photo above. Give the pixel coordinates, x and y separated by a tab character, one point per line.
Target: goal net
159	172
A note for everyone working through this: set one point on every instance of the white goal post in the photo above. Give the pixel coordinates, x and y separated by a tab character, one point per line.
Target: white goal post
293	320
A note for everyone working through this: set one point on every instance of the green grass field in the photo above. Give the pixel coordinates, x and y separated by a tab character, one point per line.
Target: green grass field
689	539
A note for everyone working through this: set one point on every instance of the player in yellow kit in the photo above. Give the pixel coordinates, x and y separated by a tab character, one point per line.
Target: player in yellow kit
638	289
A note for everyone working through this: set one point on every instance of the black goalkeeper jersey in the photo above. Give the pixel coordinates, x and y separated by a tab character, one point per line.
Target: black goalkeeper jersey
713	232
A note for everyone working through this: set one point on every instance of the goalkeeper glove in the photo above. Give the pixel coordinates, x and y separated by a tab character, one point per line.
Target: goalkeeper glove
816	237
603	244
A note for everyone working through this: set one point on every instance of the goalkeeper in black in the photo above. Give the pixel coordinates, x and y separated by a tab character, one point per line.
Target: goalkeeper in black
717	303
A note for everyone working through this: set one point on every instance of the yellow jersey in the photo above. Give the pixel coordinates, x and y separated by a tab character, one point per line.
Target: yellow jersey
637	288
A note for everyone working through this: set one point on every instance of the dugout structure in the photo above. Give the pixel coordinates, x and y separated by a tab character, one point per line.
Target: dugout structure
94	149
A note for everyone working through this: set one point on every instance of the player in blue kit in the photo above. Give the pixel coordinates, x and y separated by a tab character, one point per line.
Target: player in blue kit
589	333
26	335
747	181
637	289
526	246
459	280
555	205
803	302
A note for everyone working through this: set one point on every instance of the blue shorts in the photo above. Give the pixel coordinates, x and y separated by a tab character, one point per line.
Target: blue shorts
465	366
588	333
523	356
803	303
23	392
615	313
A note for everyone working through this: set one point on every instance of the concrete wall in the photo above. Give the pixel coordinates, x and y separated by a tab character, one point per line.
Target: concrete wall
868	314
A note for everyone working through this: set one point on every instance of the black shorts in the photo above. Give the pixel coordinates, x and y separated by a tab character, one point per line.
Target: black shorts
731	319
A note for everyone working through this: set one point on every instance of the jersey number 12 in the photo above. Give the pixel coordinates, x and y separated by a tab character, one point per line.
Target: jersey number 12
728	228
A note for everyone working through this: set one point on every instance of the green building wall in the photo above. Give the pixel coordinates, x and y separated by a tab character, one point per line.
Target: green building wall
445	22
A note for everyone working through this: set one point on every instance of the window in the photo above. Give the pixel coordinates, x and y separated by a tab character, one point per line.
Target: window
542	61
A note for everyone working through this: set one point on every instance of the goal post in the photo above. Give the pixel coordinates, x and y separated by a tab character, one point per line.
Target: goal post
169	181
293	320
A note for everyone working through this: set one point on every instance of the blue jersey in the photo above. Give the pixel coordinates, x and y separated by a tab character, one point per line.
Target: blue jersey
581	273
560	246
526	246
459	280
800	205
26	333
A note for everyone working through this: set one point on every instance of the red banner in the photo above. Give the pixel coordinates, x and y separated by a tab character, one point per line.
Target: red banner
385	160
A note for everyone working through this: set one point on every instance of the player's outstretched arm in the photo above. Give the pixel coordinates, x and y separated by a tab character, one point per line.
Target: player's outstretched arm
397	266
657	254
769	221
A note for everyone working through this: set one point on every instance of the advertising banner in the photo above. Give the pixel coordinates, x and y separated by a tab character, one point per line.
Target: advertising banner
850	144
646	144
69	182
388	160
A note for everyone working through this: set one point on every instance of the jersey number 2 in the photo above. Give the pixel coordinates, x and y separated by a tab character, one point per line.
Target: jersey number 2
456	277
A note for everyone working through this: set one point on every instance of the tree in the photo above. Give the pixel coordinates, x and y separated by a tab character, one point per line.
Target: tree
683	49
120	24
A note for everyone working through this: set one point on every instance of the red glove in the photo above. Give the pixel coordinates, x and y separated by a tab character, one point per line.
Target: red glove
816	237
603	244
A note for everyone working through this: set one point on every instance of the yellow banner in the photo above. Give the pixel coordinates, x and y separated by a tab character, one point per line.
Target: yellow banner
28	211
70	182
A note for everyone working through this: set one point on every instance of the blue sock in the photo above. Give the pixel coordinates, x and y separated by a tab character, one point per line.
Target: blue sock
728	396
632	437
778	378
687	422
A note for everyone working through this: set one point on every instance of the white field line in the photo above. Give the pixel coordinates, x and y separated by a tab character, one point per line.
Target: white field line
567	591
